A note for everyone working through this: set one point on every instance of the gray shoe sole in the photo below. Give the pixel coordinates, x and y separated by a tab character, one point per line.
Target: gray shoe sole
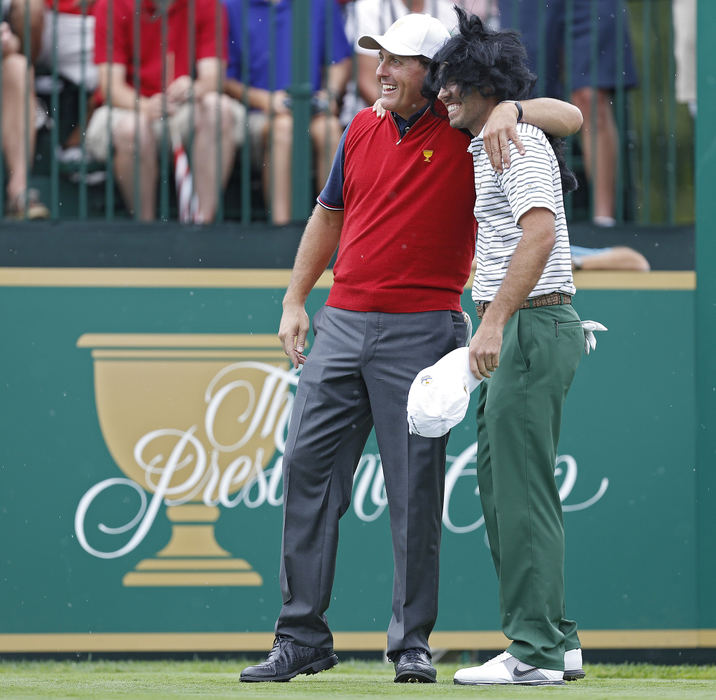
574	674
309	669
416	676
511	683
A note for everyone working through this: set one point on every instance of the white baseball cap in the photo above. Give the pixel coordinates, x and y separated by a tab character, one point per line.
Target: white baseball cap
413	34
440	394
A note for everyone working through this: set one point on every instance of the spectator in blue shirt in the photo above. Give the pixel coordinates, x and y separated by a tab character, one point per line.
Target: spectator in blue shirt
265	81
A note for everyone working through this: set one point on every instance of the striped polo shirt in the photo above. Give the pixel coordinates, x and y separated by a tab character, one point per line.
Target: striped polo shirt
531	181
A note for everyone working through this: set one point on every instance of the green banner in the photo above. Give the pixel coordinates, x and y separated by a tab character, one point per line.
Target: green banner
140	469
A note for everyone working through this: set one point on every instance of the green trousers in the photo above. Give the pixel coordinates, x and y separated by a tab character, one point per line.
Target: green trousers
518	422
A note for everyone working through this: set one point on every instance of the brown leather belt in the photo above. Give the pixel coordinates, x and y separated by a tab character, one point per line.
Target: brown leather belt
552	299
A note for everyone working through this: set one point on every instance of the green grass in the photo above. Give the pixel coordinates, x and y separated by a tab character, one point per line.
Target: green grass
351	679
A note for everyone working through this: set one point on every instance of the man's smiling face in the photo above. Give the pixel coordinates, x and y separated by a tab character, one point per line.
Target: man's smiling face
401	79
466	110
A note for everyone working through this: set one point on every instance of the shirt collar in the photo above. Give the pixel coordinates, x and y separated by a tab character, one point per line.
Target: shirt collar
404	124
476	142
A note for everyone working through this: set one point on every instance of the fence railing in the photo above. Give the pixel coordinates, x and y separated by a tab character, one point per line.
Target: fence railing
52	97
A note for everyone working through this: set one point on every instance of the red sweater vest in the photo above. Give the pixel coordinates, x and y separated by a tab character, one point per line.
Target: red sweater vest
408	235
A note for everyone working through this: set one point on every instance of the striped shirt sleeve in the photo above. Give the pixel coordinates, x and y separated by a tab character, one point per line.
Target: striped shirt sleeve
527	183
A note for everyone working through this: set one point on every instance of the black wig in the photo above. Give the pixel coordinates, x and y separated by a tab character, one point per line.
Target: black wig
477	58
494	64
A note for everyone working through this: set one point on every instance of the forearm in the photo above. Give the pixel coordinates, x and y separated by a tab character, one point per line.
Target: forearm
337	78
319	242
257	98
368	85
554	117
234	89
525	268
122	95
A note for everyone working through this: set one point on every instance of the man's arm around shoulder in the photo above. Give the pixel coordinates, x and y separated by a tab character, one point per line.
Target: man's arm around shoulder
554	117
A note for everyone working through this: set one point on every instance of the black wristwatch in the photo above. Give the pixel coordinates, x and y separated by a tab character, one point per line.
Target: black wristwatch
519	108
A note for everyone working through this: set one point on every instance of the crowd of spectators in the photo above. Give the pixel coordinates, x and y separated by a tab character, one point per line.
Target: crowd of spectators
214	76
177	76
259	74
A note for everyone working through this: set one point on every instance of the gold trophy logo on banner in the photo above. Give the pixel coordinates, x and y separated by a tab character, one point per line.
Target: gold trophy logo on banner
192	418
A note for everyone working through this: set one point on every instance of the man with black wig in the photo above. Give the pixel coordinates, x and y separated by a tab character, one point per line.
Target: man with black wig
527	348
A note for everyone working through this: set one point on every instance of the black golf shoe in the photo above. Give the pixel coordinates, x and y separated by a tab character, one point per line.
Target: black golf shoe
413	666
288	659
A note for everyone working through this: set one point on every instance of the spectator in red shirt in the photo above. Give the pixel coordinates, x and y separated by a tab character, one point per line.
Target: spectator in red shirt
164	81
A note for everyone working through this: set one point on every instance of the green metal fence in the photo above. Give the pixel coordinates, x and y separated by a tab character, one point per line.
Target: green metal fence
653	173
661	130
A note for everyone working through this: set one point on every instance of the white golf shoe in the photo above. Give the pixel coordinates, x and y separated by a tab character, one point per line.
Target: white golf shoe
505	669
573	670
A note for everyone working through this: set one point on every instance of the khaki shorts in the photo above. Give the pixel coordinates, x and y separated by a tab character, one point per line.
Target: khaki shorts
97	137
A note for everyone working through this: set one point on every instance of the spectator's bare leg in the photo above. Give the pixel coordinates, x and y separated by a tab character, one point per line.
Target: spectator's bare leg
14	121
204	158
606	148
16	17
123	134
616	258
277	175
325	134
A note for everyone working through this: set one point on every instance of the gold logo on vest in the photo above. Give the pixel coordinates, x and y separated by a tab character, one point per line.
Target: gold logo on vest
427	155
190	419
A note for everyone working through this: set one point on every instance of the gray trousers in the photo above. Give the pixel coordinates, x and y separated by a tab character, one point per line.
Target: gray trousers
357	375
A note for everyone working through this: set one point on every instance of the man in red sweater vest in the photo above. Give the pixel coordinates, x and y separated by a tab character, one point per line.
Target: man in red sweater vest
405	237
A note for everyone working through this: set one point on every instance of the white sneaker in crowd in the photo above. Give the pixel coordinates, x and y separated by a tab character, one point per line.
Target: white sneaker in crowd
573	670
505	669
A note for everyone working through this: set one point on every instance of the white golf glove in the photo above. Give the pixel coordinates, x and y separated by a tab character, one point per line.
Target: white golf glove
590	342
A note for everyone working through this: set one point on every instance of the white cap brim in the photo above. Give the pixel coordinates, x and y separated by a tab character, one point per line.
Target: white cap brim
379	41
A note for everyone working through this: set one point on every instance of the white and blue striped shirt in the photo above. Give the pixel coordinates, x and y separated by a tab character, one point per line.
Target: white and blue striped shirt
532	181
